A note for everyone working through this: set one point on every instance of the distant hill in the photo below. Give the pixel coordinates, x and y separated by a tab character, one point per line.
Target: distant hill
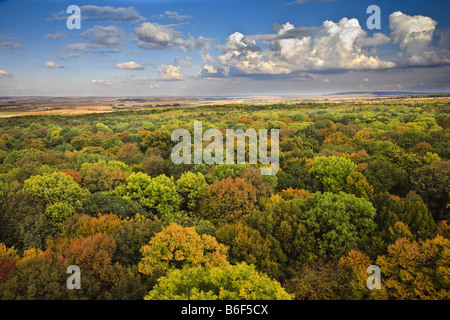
384	93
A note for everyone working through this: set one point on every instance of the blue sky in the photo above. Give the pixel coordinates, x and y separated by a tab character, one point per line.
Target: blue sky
222	47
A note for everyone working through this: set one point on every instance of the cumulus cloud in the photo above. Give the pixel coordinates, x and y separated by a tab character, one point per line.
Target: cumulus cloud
5	74
210	72
334	46
9	45
55	36
51	64
106	13
414	36
99	37
102	82
170	72
154	86
157	36
129	65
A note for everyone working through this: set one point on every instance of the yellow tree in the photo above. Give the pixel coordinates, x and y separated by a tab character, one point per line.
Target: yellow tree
417	270
177	247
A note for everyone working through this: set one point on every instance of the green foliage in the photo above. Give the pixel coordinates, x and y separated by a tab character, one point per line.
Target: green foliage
247	245
158	195
15	156
133	234
61	195
339	222
99	202
233	282
432	182
281	223
332	172
224	171
385	176
191	187
96	189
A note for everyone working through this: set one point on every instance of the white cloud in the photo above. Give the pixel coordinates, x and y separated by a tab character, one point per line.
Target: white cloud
174	15
335	46
186	61
129	65
106	13
411	32
154	86
209	68
210	72
51	64
123	15
5	74
2	36
156	36
414	36
170	72
65	57
9	45
99	37
102	82
55	36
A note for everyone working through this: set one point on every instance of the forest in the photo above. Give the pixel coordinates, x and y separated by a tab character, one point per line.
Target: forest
360	183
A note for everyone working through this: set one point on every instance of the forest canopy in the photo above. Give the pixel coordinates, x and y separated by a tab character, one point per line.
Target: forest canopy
360	183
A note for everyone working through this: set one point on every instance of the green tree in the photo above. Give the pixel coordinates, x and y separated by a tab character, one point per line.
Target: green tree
100	202
246	244
191	187
232	282
100	178
332	172
339	222
132	235
432	183
158	195
157	139
280	222
61	195
385	176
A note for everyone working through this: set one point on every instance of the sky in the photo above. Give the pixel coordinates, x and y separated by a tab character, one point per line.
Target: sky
223	47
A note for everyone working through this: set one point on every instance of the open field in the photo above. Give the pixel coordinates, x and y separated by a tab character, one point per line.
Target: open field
28	106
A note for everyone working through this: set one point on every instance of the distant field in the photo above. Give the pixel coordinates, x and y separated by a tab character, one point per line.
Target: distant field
28	106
